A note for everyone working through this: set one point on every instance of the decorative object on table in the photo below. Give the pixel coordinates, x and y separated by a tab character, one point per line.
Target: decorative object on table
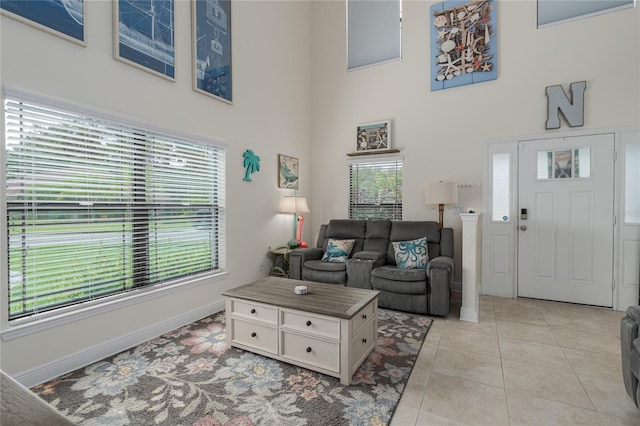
251	164
295	204
373	136
558	102
463	47
300	289
211	48
441	193
144	35
288	172
64	19
189	376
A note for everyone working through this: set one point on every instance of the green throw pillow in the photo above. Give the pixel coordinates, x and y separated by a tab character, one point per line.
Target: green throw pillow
412	254
338	250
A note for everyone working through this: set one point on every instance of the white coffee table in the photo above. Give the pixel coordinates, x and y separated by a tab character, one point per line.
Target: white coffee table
331	329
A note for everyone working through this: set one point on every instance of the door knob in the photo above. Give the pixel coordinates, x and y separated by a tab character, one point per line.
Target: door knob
523	227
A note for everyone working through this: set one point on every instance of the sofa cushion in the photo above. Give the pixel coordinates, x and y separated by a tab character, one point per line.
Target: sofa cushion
393	273
405	230
337	251
377	235
411	254
319	265
346	229
397	286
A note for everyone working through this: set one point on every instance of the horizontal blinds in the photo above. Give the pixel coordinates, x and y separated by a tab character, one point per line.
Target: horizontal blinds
375	189
96	208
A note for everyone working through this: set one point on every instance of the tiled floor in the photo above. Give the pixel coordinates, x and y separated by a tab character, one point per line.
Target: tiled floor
527	362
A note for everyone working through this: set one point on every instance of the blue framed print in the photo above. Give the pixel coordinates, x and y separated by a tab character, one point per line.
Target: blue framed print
463	43
144	35
64	18
211	45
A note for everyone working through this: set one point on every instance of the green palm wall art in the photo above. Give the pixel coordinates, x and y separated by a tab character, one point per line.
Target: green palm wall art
251	164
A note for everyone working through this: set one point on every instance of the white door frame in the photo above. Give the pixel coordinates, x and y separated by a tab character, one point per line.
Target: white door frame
499	242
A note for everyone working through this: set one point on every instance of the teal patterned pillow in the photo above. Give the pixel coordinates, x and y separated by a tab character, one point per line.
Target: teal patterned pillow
411	254
338	250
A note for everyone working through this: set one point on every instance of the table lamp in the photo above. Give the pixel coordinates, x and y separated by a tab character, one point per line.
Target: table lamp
441	193
295	204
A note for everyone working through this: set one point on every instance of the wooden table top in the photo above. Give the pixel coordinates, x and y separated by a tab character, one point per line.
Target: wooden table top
326	299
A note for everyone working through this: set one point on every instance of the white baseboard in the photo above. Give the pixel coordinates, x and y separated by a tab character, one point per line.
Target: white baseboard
56	368
468	314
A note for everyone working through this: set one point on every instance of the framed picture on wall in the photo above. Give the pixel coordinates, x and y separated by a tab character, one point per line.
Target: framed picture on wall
144	35
211	48
64	19
373	136
288	172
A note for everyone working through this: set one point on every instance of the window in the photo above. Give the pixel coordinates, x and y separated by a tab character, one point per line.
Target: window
373	32
96	208
564	164
375	189
501	189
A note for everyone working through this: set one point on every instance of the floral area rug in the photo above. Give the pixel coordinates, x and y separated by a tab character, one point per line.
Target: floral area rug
189	377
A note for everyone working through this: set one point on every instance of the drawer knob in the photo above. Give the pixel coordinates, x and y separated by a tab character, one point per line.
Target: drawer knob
364	340
308	323
308	348
253	334
364	316
253	311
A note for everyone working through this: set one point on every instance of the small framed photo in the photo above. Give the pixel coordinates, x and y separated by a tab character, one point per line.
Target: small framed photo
288	172
143	34
373	136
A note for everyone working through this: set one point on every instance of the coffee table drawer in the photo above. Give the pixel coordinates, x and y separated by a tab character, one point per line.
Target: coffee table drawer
310	323
362	344
315	352
255	335
363	316
255	311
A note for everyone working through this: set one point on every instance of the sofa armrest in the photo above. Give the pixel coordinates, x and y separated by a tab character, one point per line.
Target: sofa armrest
628	351
297	258
359	268
440	273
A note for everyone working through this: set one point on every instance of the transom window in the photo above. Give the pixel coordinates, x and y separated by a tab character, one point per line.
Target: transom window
96	207
375	189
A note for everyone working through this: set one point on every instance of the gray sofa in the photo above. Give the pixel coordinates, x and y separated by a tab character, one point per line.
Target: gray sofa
630	351
372	264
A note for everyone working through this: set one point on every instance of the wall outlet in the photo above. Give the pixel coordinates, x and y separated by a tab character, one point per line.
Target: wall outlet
261	267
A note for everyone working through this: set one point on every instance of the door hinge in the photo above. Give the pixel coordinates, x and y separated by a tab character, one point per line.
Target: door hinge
613	284
615	155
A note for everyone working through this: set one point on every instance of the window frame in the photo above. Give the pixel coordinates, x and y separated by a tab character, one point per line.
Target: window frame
396	208
18	327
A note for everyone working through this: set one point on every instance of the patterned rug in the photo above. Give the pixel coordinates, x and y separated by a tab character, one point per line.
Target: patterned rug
189	377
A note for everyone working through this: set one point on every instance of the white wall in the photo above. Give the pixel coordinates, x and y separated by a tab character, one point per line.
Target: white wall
441	134
270	115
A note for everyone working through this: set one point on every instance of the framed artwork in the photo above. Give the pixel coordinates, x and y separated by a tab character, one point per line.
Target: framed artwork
463	43
64	19
288	172
144	35
211	48
373	136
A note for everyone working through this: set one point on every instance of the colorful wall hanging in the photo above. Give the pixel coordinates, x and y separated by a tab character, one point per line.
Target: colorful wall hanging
251	164
463	43
288	172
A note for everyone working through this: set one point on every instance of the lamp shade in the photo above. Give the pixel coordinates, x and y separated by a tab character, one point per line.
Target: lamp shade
294	204
441	193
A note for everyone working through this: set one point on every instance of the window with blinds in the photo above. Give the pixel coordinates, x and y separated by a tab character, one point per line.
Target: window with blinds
96	208
375	189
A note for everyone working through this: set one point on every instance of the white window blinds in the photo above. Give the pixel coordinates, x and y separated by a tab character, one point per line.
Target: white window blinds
96	208
375	189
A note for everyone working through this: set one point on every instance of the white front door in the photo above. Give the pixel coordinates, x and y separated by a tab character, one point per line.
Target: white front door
565	219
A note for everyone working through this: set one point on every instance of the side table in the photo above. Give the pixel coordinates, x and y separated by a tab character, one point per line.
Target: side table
280	257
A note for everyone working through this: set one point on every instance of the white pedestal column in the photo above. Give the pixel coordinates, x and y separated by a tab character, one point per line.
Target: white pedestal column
471	266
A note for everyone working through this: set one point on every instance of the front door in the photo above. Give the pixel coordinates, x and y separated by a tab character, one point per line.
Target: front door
565	219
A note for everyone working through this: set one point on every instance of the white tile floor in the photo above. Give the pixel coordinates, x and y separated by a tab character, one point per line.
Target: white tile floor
527	362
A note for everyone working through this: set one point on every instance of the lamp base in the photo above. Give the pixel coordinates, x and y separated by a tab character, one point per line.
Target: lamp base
293	244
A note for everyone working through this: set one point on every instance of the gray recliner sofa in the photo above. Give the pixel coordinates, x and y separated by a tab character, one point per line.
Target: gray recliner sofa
630	352
372	264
